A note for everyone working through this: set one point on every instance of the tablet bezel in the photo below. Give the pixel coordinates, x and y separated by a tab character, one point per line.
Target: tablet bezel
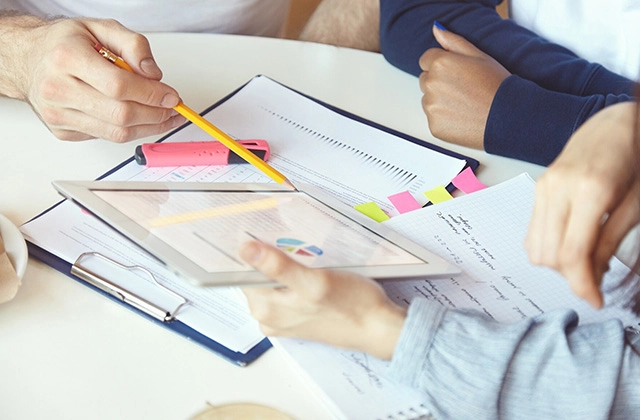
81	193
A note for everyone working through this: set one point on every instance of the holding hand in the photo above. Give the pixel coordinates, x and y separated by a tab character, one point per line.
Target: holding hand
459	83
334	307
80	95
587	201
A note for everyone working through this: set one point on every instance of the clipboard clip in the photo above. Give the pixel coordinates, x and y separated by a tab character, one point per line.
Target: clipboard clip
122	294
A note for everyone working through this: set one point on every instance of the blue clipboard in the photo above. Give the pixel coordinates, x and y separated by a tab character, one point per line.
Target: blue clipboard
241	359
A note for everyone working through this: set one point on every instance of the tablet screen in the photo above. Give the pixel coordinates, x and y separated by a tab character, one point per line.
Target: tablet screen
196	229
208	227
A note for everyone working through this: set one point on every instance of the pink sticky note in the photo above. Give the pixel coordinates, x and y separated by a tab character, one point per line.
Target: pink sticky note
467	182
404	202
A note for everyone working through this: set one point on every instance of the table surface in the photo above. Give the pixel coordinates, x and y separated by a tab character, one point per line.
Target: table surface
66	351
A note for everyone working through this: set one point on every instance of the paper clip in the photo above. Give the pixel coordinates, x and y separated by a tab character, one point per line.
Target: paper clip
118	292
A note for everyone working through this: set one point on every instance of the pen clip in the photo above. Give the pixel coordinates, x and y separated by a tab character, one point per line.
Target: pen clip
122	294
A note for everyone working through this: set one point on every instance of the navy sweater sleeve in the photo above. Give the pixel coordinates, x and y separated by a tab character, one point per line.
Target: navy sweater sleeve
578	88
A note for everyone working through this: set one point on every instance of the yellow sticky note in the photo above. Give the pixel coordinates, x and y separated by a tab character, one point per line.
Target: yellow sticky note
373	211
438	195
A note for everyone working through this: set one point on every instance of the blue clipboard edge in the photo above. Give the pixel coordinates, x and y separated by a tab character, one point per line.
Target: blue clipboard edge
241	359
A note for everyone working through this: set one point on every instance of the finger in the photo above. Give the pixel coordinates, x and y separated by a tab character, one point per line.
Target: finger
540	235
86	127
81	61
266	307
428	57
587	218
454	42
119	84
621	220
558	211
82	97
133	47
422	80
577	253
274	263
533	241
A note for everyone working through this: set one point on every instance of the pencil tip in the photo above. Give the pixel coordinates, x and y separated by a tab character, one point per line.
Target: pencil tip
288	184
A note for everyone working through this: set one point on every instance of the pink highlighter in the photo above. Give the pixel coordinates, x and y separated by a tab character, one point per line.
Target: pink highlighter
201	153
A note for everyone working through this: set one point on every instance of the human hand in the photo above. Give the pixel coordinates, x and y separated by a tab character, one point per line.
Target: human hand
459	83
587	200
333	307
80	95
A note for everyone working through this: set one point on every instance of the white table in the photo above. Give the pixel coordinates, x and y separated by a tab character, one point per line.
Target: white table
66	352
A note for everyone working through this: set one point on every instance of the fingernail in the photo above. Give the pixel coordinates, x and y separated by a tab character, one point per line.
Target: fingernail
251	252
178	121
149	66
169	101
439	25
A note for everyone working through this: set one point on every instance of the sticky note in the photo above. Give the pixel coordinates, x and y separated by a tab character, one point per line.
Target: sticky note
404	202
467	182
373	211
438	195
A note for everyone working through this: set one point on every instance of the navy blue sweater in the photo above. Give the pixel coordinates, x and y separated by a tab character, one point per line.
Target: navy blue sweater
550	93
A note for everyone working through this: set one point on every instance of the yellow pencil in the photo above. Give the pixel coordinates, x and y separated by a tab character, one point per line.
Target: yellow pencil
211	129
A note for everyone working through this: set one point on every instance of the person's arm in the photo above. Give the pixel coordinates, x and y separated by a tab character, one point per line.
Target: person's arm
470	366
405	34
533	124
464	105
346	23
52	65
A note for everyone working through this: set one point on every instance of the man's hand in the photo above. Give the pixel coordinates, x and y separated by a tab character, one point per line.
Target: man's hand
74	90
587	201
459	83
333	307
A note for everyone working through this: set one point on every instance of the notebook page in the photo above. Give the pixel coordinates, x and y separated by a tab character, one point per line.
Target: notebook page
483	234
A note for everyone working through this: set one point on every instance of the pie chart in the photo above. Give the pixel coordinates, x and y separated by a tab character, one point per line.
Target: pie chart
298	247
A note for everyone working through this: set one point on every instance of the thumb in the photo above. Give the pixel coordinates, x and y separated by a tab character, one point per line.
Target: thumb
454	42
133	47
273	263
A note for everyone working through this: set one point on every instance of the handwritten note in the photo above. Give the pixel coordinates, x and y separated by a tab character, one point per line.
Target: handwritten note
483	233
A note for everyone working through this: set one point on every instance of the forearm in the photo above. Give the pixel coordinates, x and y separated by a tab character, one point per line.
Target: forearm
405	33
543	367
551	119
346	23
15	47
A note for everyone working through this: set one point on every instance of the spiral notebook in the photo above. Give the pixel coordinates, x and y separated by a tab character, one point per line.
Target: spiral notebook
483	234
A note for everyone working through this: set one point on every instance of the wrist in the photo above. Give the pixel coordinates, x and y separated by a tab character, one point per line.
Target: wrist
18	34
384	328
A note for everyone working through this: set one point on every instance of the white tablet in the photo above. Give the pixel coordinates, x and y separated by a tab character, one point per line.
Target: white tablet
196	229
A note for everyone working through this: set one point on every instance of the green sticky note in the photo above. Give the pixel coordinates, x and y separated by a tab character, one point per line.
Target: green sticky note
373	211
438	195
